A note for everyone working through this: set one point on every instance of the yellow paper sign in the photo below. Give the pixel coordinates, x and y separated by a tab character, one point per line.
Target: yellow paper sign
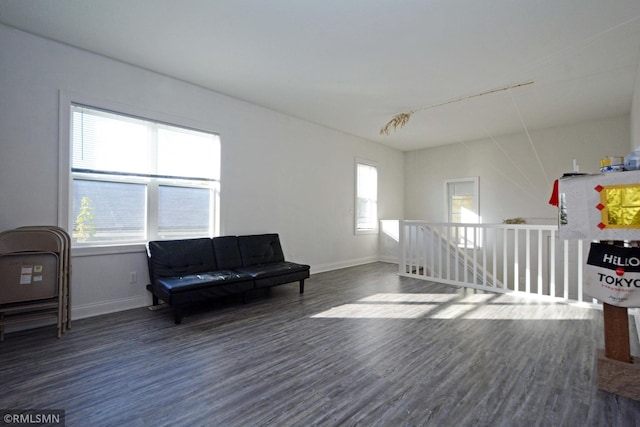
620	206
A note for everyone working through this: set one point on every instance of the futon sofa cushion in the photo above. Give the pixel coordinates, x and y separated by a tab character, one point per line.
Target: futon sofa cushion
260	249
227	252
191	282
171	258
260	271
263	259
267	275
179	291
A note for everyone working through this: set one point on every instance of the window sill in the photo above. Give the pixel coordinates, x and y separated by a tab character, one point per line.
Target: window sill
107	250
368	231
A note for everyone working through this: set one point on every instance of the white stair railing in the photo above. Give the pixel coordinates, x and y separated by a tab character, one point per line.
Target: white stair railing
517	258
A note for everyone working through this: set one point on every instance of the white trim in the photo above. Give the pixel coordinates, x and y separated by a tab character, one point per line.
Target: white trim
476	199
112	306
65	100
68	97
108	250
356	230
64	159
321	268
388	259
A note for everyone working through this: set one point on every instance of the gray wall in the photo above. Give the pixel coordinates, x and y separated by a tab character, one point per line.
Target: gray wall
279	174
635	113
516	174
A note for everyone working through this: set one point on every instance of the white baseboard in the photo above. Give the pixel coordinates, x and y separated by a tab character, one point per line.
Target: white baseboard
321	268
389	259
112	306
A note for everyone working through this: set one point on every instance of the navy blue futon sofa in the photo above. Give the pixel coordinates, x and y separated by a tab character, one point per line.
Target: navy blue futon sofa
187	271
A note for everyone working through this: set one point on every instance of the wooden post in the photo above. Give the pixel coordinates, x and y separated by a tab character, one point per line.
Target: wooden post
616	333
616	328
618	371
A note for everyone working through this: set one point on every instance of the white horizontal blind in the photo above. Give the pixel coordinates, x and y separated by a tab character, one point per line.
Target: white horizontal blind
105	142
136	179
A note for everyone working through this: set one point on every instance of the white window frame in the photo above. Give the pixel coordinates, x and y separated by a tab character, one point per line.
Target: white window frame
473	241
357	229
65	176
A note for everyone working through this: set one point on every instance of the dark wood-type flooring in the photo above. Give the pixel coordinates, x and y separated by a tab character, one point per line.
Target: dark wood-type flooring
362	346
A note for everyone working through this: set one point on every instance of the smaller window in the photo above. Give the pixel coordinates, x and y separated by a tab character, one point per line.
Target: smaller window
461	199
366	212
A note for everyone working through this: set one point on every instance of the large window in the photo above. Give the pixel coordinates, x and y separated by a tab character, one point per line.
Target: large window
135	180
366	212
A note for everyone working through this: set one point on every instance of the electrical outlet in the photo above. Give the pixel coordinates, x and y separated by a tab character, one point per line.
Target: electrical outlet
133	277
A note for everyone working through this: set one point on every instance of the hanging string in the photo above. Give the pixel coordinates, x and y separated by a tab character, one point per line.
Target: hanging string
400	120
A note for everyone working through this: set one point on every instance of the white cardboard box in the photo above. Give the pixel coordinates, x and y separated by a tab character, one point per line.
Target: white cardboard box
579	213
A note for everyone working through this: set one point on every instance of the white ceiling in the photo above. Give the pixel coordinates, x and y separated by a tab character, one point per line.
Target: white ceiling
352	65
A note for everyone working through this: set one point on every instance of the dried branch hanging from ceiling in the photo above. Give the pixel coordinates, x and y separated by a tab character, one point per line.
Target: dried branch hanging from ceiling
400	120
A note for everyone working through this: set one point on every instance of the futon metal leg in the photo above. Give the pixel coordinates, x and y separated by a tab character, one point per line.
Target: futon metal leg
178	315
302	286
155	300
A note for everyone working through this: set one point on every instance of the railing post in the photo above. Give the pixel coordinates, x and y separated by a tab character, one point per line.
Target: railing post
402	255
540	265
432	252
552	264
494	269
527	262
579	272
516	266
566	270
505	265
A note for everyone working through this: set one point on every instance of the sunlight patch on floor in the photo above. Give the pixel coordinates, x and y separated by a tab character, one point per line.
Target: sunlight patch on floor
376	311
453	311
424	298
478	298
452	306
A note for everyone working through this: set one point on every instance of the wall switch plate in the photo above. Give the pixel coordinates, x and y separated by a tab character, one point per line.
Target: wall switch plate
133	277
